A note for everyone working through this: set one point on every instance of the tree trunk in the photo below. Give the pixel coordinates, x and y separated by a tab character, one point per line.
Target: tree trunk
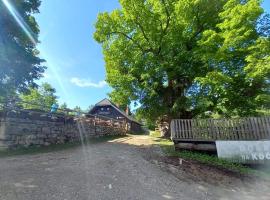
164	127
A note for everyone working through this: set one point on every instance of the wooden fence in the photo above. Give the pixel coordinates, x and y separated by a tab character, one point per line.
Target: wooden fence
252	128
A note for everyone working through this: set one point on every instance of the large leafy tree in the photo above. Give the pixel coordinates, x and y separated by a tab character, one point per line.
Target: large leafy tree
181	58
19	61
42	98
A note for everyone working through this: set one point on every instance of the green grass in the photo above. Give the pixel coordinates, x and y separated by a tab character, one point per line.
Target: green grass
54	147
167	147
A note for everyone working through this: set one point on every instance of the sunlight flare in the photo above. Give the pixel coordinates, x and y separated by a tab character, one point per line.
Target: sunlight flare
20	21
27	30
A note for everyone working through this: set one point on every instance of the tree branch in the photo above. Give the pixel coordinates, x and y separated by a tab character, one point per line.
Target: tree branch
131	39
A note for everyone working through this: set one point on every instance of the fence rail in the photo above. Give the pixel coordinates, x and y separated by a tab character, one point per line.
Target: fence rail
252	128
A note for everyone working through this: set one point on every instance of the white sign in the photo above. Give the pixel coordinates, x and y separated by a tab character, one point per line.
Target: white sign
244	151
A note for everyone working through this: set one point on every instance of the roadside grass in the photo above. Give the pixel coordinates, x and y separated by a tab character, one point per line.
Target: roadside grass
167	147
55	147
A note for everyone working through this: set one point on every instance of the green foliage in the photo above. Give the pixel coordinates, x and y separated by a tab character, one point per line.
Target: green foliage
77	111
181	58
42	98
19	61
63	106
150	124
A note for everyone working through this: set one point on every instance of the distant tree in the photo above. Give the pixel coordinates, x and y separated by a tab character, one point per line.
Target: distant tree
182	58
89	108
40	98
63	106
20	65
77	110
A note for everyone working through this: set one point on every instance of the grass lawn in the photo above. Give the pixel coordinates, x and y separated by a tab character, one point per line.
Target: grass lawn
54	147
167	147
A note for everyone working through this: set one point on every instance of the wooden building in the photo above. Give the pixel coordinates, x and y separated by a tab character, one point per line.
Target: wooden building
108	109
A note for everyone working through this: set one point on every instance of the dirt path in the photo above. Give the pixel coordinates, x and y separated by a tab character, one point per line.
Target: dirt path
125	168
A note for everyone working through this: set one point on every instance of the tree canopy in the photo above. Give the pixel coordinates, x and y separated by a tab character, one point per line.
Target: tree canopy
181	58
42	98
19	61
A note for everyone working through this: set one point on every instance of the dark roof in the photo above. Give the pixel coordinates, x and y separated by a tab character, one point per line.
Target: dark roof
107	102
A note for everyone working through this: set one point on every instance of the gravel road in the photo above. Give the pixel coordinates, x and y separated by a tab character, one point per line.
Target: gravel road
125	168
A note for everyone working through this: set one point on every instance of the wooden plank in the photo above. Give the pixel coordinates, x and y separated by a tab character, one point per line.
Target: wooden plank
180	129
252	128
186	128
217	129
259	126
199	129
267	121
192	146
190	129
234	134
243	123
226	130
246	125
212	128
222	129
176	128
172	129
263	127
256	130
182	135
230	129
239	128
253	125
245	136
209	130
249	128
205	132
195	123
259	132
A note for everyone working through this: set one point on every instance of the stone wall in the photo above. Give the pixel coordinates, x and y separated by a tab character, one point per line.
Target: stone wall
20	132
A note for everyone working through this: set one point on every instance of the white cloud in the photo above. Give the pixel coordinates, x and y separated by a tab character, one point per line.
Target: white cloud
87	83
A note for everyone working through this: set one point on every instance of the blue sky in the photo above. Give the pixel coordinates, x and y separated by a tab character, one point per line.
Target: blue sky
74	59
75	62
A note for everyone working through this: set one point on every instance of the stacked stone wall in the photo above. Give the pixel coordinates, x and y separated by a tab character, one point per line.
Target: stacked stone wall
19	132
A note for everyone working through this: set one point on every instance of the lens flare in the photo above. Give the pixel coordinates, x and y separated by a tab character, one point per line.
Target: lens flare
32	37
20	21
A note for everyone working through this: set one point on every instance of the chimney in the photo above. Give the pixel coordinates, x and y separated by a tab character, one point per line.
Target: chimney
127	110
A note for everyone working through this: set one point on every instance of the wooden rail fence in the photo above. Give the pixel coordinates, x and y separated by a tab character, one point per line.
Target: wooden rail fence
252	128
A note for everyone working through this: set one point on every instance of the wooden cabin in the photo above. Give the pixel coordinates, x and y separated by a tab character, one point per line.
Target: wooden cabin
108	109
